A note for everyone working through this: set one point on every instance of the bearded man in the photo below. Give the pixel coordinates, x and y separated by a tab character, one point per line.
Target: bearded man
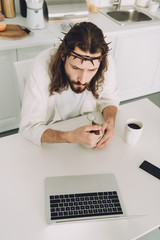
78	78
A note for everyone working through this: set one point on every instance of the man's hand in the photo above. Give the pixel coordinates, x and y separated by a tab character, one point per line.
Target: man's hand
81	135
86	135
108	130
108	126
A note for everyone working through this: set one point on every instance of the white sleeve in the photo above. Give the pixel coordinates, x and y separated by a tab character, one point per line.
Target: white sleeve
34	113
109	94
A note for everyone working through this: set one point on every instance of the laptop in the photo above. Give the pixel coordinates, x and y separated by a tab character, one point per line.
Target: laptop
83	197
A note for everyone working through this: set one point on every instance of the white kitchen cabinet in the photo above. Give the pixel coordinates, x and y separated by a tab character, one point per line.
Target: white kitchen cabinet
31	52
137	58
111	40
9	94
156	82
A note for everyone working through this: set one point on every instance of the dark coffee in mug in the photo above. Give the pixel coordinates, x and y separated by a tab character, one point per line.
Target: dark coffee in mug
134	126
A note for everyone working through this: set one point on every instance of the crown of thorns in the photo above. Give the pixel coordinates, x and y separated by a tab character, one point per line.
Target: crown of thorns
84	57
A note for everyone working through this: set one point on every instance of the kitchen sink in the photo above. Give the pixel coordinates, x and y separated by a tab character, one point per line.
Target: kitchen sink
129	16
124	16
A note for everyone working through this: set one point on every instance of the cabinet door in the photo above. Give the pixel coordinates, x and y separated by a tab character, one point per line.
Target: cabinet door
111	40
9	94
27	53
136	58
156	85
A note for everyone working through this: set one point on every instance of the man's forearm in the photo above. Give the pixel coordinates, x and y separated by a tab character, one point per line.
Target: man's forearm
81	135
54	136
109	114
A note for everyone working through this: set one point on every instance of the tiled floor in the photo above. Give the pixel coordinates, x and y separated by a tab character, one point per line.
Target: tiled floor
153	235
155	98
3	134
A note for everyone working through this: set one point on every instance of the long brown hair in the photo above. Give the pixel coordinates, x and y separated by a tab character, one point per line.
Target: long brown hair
88	37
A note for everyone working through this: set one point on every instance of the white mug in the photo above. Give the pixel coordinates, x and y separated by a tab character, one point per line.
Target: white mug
133	130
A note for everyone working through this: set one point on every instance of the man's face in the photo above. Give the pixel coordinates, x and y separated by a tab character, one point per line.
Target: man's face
80	73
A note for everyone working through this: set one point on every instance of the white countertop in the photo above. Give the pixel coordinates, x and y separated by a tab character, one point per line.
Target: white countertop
52	32
24	166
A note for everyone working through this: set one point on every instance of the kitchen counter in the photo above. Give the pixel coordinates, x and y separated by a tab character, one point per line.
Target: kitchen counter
40	37
53	30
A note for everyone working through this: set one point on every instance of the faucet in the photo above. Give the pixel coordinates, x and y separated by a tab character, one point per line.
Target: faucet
117	4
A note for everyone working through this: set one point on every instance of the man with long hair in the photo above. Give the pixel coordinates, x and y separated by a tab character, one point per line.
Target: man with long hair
76	79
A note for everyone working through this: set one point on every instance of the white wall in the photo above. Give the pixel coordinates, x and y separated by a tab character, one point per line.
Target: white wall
17	8
103	3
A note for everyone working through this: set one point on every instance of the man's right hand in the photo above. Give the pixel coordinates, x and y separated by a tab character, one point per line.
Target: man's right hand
81	135
86	134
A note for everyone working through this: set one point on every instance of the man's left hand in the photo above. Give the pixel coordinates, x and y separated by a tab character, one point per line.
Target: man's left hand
108	129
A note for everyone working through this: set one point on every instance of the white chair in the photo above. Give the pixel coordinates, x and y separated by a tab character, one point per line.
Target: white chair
22	69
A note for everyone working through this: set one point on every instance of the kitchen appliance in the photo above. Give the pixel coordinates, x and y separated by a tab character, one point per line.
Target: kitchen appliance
23	8
62	9
35	19
8	8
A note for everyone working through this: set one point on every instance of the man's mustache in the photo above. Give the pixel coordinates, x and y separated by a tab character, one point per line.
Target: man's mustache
79	83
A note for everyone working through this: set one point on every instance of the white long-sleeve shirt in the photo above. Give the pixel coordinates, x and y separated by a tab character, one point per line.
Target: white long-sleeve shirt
39	109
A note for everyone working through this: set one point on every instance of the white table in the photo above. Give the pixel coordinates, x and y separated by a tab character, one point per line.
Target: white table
24	166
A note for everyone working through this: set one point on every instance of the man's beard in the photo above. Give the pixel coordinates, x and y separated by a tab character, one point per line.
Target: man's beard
77	86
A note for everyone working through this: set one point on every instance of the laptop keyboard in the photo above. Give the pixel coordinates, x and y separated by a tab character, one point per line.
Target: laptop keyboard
84	205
